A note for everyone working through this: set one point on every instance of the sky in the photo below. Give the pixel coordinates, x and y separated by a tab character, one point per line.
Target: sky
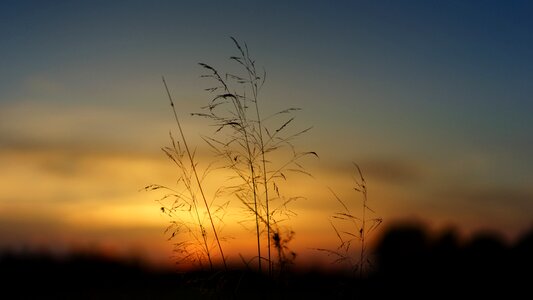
431	98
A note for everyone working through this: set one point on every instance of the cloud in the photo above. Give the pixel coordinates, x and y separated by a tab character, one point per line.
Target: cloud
37	126
387	170
62	125
507	198
394	171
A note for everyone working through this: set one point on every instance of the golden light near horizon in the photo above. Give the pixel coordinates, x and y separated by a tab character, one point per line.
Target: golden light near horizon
94	198
88	197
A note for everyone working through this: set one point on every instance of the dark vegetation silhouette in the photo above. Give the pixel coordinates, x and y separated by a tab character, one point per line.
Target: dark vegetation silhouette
351	229
251	146
188	217
259	153
410	262
38	275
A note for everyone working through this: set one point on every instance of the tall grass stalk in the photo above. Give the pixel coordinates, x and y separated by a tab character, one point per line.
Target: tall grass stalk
240	121
183	202
242	124
253	78
249	142
198	182
361	188
349	228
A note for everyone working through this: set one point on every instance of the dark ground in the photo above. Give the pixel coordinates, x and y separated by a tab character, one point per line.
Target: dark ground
408	264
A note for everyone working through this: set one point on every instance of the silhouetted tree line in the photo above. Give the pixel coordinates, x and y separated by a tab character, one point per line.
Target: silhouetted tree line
411	260
408	262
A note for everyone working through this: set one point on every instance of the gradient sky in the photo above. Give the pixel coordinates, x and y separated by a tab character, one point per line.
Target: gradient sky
432	98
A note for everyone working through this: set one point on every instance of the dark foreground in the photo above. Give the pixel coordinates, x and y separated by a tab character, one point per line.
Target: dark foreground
408	264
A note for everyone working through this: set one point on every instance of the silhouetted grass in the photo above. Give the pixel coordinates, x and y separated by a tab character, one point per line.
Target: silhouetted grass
187	249
353	228
248	147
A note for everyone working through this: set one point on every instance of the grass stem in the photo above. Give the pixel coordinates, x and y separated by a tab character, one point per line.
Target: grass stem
193	166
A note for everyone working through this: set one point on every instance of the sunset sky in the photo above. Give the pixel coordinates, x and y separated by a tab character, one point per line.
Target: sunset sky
433	99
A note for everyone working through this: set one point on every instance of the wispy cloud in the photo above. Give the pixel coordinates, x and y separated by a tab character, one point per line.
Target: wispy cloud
45	125
394	171
508	199
387	170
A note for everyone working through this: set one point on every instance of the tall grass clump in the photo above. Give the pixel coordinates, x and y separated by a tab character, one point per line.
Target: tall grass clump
188	207
258	151
351	229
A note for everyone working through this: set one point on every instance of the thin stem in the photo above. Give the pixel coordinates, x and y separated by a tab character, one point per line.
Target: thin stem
361	188
241	114
361	261
193	166
202	230
242	118
265	186
254	186
252	76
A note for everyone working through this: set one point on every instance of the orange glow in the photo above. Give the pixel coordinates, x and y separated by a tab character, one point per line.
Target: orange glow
83	199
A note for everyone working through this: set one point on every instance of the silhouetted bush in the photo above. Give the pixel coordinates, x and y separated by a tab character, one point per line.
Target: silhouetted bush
412	263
